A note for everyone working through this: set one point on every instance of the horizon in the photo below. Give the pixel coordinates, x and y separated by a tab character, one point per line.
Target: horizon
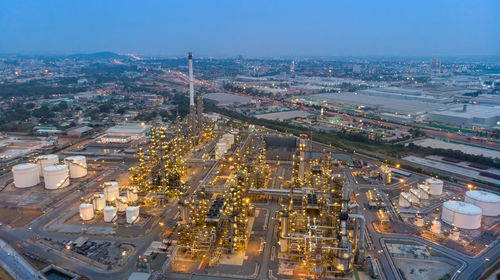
261	29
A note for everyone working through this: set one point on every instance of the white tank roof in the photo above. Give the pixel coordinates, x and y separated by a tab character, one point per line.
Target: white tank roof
433	181
56	167
483	196
24	166
51	156
462	207
77	158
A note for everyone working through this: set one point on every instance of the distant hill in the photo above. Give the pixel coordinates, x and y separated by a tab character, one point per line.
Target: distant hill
99	55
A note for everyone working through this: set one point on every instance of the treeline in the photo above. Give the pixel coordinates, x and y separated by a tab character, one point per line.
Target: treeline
35	90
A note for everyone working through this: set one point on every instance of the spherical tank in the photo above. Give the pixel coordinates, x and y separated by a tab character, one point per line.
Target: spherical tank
132	214
111	190
109	214
77	166
56	176
461	214
488	202
25	175
99	202
46	160
86	211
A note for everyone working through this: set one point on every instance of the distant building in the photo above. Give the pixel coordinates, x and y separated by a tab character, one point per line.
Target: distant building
79	131
469	116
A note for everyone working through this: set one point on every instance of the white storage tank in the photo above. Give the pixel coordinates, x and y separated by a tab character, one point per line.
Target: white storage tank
46	160
461	214
419	193
435	186
56	176
25	175
436	226
455	234
488	202
121	203
111	190
132	194
419	221
99	202
86	211
77	166
109	214
404	199
132	214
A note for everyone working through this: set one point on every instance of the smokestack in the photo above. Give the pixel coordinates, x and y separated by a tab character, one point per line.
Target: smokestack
191	85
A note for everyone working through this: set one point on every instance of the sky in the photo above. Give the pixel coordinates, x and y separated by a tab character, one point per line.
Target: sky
252	28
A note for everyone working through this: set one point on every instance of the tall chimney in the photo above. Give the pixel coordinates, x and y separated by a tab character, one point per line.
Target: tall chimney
191	81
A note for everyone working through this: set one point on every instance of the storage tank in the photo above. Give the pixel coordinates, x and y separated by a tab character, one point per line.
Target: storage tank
132	194
121	203
425	190
132	214
220	150
488	202
461	214
454	234
46	160
77	166
415	195
99	202
404	199
25	175
56	176
109	214
435	186
111	190
86	211
419	221
436	226
419	193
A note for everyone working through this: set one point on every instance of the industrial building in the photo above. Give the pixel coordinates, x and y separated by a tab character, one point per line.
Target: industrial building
469	116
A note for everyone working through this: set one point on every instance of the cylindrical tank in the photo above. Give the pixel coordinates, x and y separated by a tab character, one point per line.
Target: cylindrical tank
111	190
419	193
25	175
455	234
461	214
121	204
46	160
132	214
109	214
419	221
436	226
415	195
435	186
86	211
99	202
488	202
56	176
77	166
404	199
132	194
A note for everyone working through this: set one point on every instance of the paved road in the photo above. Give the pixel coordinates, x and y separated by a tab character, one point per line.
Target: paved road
15	264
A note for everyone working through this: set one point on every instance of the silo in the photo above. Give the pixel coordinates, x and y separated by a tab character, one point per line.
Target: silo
132	194
46	160
56	176
436	226
99	202
404	199
132	214
111	190
461	214
121	204
77	166
86	211
25	175
488	202
109	214
435	186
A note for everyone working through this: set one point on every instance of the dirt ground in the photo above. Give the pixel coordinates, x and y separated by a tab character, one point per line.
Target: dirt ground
4	275
18	217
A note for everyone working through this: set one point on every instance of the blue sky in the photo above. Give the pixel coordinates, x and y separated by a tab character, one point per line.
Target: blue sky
252	28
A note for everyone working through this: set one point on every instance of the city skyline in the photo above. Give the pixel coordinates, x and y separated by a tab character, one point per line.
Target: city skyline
226	29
